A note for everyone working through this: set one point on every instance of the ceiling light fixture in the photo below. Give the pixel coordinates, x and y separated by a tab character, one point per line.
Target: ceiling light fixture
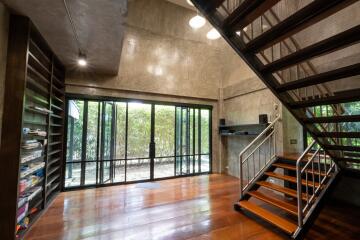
197	22
82	57
213	34
82	62
189	2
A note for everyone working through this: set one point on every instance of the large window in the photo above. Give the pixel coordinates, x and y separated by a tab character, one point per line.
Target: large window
127	141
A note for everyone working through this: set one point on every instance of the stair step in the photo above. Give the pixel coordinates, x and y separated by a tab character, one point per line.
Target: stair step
292	156
285	190
247	12
333	75
288	207
348	96
333	119
336	42
293	168
338	134
310	14
342	148
290	179
278	221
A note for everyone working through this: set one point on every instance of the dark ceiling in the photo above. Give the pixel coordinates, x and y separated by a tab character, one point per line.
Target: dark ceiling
99	24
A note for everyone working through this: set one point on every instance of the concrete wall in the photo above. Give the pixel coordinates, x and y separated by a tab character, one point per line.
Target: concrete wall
244	97
164	59
4	29
162	54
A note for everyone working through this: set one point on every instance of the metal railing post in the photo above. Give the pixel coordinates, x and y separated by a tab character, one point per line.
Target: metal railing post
241	177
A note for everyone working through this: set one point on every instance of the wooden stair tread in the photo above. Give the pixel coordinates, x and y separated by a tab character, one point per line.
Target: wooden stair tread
290	178
278	221
292	156
288	207
293	168
285	190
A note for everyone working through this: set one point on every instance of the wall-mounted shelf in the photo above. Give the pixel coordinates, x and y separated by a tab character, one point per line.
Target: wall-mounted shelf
241	130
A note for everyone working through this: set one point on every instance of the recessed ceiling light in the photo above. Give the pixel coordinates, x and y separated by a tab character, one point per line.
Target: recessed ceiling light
197	22
82	62
189	2
213	34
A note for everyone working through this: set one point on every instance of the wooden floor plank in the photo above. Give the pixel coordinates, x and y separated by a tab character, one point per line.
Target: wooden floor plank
186	208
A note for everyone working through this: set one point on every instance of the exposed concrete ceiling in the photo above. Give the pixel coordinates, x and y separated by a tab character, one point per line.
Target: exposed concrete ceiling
99	24
182	3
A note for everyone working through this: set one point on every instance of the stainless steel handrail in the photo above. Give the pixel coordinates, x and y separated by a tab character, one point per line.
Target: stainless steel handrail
324	174
270	133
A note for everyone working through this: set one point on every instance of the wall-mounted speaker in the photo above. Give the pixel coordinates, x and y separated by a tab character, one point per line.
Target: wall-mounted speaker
263	119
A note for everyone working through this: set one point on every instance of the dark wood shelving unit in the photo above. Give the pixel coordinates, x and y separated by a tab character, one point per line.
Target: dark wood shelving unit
34	78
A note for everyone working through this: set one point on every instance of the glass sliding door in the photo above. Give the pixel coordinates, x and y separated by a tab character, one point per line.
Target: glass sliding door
107	141
164	162
119	162
139	136
193	141
75	131
124	141
92	134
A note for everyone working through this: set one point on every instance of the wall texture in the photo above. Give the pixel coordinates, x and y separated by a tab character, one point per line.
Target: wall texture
4	28
162	54
163	59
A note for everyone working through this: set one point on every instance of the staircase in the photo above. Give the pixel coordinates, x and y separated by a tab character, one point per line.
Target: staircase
267	39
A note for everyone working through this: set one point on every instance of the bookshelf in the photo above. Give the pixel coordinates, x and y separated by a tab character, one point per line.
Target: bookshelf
33	129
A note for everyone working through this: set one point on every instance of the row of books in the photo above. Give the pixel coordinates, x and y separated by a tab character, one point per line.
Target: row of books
29	156
34	132
30	181
31	169
31	144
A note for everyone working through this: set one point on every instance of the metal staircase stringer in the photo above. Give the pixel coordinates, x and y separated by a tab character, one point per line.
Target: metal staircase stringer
255	64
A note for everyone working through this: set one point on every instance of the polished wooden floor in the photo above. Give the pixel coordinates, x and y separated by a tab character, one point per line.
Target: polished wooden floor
185	208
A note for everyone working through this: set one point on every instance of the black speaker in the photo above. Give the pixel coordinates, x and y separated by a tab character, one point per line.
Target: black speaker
263	119
222	122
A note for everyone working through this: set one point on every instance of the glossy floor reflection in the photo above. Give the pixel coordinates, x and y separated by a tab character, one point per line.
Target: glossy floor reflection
184	208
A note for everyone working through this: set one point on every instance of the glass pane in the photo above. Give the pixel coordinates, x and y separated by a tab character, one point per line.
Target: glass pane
164	167
104	171
205	163
196	131
178	139
92	131
164	130
138	170
120	130
139	130
107	134
72	174
75	130
205	134
119	171
90	173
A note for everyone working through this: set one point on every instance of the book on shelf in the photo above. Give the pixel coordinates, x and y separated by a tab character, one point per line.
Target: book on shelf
41	109
31	168
31	156
34	132
29	182
31	144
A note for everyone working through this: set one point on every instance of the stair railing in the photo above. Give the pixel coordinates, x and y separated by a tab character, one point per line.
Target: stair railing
315	172
263	147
